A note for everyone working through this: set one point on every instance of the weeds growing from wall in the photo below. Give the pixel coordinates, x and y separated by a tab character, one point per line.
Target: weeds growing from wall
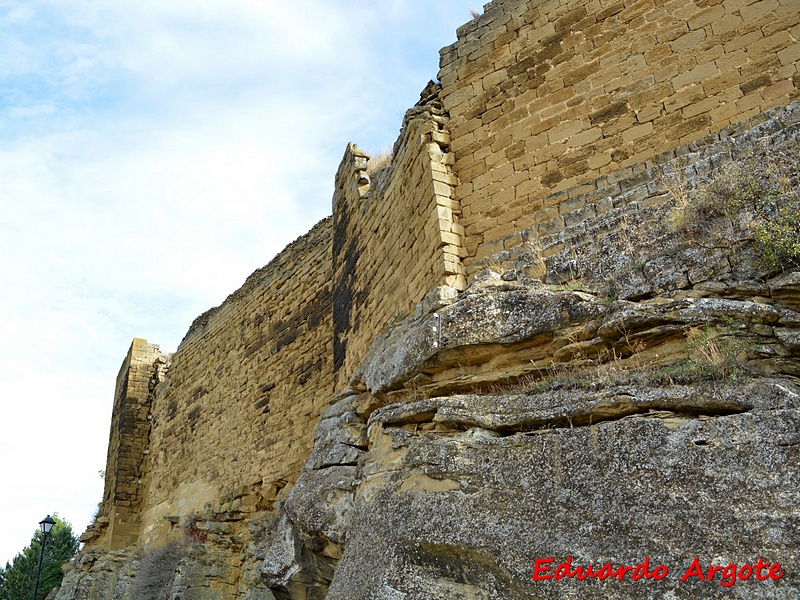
755	200
379	162
716	358
710	358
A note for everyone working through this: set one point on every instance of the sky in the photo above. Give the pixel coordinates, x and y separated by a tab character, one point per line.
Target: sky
152	155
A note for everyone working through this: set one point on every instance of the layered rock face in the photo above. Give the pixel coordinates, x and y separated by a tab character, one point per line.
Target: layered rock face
457	496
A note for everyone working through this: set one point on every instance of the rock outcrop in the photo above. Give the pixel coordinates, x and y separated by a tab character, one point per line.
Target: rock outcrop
544	417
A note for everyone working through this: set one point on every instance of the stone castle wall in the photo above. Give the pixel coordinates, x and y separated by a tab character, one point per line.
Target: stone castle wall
540	104
549	96
128	443
234	421
396	235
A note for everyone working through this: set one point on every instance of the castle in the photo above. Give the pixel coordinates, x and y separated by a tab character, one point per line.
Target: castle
534	153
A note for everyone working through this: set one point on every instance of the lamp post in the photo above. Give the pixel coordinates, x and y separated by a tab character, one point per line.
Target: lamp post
46	524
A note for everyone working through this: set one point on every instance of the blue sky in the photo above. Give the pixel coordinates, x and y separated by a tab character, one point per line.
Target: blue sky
152	155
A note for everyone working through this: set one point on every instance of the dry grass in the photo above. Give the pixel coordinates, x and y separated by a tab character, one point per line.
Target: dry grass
379	161
714	357
710	358
157	569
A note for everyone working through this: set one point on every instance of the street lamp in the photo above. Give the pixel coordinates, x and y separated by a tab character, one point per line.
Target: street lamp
46	525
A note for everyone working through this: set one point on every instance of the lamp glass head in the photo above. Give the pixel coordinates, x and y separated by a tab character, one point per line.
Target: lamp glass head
46	524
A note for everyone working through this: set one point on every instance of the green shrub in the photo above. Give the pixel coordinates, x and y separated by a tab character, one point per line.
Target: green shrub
755	200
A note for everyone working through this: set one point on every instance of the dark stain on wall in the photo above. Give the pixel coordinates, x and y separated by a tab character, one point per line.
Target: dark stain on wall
345	294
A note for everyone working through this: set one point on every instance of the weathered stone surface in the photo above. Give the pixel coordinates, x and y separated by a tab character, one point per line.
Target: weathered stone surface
97	574
297	565
340	439
486	315
516	413
786	290
208	565
281	562
322	500
494	317
317	513
457	496
671	487
790	339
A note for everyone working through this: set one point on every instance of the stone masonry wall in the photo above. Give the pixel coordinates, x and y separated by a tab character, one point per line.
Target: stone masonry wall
611	285
611	223
127	444
396	235
544	96
234	421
